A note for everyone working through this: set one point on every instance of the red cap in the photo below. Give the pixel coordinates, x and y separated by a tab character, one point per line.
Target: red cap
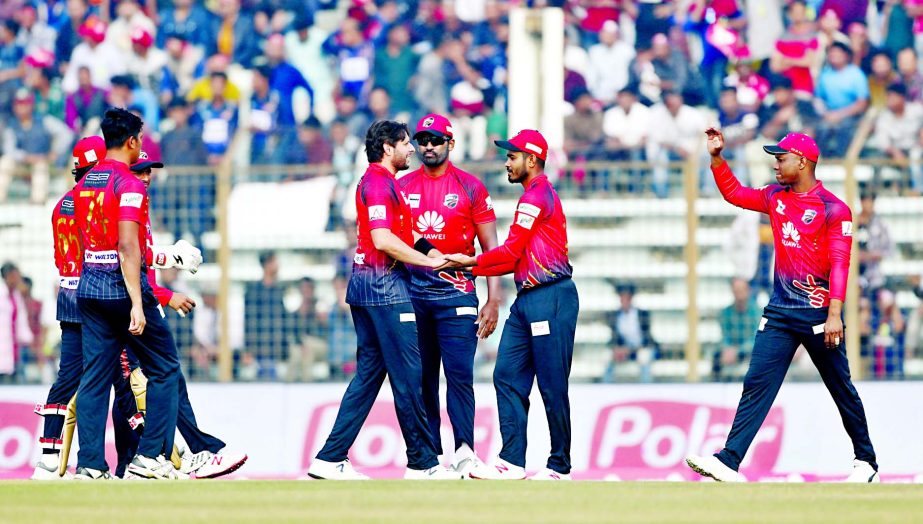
434	124
88	151
142	37
528	141
94	29
40	58
801	145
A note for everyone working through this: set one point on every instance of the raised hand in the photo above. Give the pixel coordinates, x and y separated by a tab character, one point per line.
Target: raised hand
715	141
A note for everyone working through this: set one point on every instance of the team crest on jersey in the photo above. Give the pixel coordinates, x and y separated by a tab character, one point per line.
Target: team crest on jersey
67	206
780	207
451	200
809	216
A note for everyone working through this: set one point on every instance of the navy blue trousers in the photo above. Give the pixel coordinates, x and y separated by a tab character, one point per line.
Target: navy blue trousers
387	346
105	333
537	343
448	336
65	385
781	332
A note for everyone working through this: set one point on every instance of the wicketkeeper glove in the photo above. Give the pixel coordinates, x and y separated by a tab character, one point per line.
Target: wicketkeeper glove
181	255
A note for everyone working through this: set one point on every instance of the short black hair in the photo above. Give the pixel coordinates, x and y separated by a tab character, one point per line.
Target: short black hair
898	88
383	132
781	82
27	282
7	268
308	280
266	256
119	125
312	122
220	74
842	47
125	81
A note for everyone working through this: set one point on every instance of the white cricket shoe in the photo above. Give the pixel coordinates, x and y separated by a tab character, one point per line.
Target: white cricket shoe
550	474
437	472
151	468
343	470
499	470
863	473
92	474
710	466
208	465
466	465
47	468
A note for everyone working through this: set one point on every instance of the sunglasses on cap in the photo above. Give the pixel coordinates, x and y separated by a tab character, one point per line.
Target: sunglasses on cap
426	140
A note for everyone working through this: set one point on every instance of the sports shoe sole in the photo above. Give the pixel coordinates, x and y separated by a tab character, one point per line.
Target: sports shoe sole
234	467
701	471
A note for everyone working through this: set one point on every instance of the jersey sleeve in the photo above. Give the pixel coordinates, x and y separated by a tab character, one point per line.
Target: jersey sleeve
131	194
839	244
494	271
738	194
162	294
379	201
530	212
482	209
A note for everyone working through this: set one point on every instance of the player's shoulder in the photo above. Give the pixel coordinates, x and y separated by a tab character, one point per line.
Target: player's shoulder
410	177
467	179
833	205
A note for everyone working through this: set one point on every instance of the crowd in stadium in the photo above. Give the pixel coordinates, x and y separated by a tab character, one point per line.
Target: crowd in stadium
759	68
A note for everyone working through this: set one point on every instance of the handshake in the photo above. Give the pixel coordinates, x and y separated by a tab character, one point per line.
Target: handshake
455	260
181	255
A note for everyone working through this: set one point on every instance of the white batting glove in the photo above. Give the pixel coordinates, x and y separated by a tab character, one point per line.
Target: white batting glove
181	255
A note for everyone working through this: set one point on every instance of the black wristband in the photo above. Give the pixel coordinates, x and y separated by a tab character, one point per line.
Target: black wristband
423	246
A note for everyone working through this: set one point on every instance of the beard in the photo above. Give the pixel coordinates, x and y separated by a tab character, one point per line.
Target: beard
436	159
513	177
402	163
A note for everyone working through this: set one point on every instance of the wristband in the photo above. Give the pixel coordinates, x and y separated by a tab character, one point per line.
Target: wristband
423	246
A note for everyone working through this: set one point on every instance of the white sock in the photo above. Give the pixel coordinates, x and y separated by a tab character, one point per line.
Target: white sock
463	452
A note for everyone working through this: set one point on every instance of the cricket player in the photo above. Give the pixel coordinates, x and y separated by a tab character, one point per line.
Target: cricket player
812	231
538	338
204	458
383	314
450	209
118	308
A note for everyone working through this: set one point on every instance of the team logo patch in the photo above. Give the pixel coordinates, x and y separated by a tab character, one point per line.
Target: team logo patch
847	228
780	207
430	220
377	213
808	216
359	258
790	235
489	202
428	122
450	201
413	200
459	281
131	200
524	220
96	180
67	206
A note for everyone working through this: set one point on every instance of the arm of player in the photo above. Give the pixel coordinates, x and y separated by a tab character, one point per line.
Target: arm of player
839	242
387	242
490	312
528	214
130	262
731	189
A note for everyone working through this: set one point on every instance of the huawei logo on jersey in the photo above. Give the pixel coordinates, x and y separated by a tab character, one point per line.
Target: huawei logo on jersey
431	221
790	235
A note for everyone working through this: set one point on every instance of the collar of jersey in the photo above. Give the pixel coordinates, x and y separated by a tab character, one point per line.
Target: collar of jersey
817	187
379	169
536	180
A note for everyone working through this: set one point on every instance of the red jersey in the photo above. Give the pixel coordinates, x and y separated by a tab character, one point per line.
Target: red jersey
378	279
446	210
107	195
812	235
797	46
536	248
68	257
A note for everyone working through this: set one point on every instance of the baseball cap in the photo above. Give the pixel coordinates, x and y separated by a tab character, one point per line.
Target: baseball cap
142	37
23	96
527	141
144	163
801	145
40	58
434	124
93	28
88	151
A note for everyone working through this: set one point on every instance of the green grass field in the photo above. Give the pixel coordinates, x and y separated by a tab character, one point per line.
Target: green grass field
469	502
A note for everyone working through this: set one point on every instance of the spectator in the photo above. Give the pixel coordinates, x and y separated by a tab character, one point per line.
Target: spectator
911	76
887	337
34	34
189	22
379	106
631	335
219	119
347	110
179	71
849	11
679	137
897	133
147	62
764	27
671	66
429	83
874	246
608	65
182	145
264	117
204	352
311	137
896	28
103	60
913	341
11	65
83	107
202	88
265	323
843	95
235	37
303	48
68	32
829	31
129	18
787	114
32	141
341	335
626	127
654	16
345	145
285	80
882	75
35	353
126	93
718	25
641	73
738	322
861	47
15	333
308	335
49	98
355	57
392	62
752	88
739	127
182	328
796	50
